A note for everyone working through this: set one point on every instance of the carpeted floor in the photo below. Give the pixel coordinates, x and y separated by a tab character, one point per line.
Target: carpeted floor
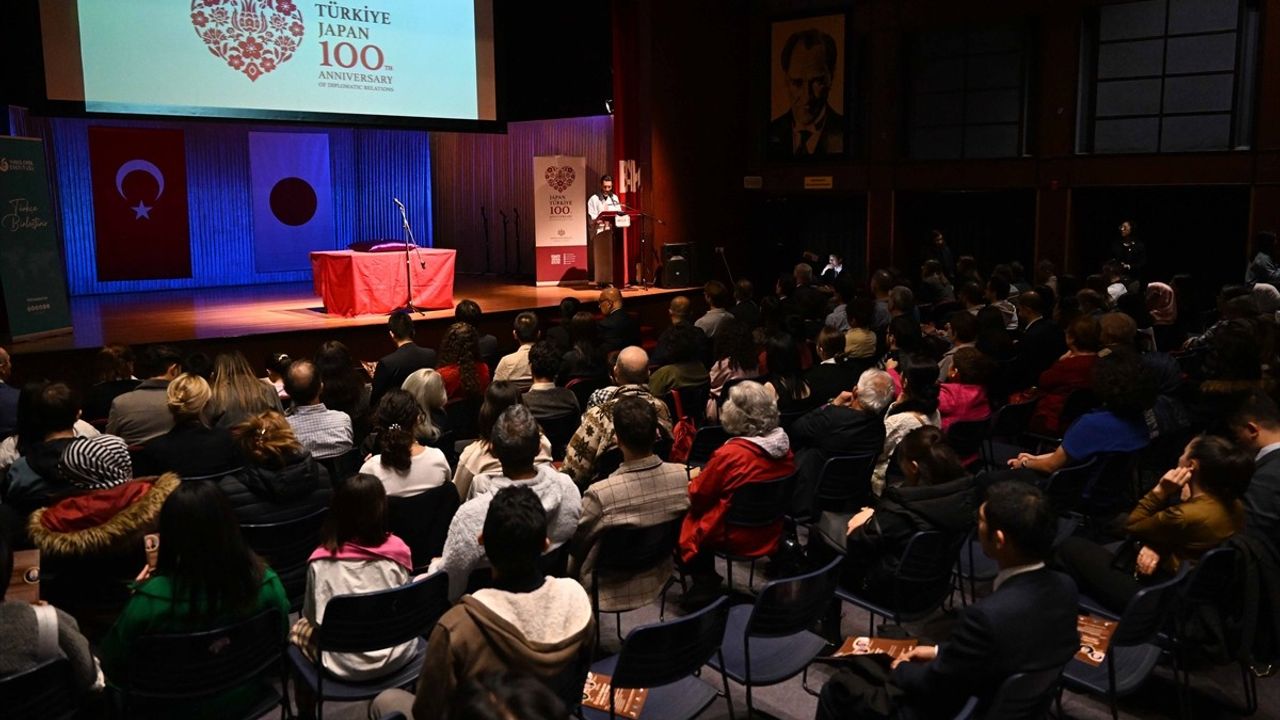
1215	693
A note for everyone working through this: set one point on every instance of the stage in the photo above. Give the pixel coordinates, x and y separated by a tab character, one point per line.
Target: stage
259	319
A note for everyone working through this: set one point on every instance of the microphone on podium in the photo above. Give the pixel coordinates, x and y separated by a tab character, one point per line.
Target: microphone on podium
399	204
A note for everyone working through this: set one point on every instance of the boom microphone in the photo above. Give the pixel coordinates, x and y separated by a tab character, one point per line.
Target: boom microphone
399	204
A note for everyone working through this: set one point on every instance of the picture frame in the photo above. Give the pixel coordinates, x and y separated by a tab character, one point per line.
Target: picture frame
810	108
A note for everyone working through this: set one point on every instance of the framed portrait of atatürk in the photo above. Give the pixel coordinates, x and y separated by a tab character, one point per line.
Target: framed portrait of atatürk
808	108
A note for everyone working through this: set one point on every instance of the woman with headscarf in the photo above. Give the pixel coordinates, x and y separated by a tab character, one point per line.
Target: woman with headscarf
1267	298
1162	305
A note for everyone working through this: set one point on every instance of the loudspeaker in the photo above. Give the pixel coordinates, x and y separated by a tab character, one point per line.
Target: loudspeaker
679	265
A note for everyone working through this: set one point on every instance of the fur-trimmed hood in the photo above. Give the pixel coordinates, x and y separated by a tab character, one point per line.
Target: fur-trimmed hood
101	520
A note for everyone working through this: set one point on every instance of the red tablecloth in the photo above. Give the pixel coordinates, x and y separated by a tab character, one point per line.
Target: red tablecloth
353	283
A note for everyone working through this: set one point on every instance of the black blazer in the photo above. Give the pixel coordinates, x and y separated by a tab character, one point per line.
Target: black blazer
190	451
1262	499
394	368
1041	345
617	331
827	380
1028	624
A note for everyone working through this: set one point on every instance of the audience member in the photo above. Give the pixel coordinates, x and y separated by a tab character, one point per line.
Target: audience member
544	398
1041	344
994	638
938	251
915	407
834	372
678	312
142	413
277	364
1162	305
427	387
718	298
936	494
515	366
594	437
881	284
47	414
525	622
205	577
515	441
1193	509
1124	392
357	554
860	339
323	432
934	285
558	333
736	359
1263	267
114	367
745	307
24	643
405	466
478	462
90	539
8	397
643	492
1256	426
191	448
465	374
468	311
962	397
342	386
1070	374
902	302
238	393
757	451
833	269
506	695
584	358
408	357
684	367
811	302
616	329
994	338
844	290
962	331
280	480
786	379
851	424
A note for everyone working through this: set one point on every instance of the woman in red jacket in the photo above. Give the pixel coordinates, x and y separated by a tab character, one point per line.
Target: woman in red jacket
1072	372
759	451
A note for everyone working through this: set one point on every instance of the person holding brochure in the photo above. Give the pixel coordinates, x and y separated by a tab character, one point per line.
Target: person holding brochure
1028	623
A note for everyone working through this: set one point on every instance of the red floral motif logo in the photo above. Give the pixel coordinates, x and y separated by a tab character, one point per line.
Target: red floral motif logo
251	36
560	177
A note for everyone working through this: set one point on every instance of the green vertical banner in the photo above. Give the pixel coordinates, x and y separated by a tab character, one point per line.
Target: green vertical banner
31	272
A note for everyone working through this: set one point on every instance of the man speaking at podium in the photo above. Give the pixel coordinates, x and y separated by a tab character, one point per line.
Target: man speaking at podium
602	231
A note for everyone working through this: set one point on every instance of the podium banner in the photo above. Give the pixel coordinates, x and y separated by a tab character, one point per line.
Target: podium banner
560	218
31	273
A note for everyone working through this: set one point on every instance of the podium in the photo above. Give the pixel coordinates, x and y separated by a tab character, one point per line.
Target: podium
609	247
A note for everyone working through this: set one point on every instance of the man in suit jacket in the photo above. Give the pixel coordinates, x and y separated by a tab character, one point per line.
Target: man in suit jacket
407	358
617	330
1042	341
1027	624
143	413
8	397
643	492
1256	423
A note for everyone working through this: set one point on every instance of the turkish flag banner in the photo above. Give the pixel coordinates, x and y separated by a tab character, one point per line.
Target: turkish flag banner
140	203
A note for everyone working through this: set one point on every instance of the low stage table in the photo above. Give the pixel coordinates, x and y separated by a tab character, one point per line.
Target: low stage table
356	283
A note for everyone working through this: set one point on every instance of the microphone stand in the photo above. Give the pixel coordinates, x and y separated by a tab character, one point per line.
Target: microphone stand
488	259
519	269
645	270
409	241
506	259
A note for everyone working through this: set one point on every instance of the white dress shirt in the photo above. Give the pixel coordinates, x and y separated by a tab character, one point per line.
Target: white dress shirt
597	204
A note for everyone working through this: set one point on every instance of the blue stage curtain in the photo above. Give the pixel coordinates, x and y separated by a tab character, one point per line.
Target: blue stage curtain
369	167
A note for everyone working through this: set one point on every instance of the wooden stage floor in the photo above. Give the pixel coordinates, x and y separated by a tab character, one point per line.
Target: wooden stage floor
177	316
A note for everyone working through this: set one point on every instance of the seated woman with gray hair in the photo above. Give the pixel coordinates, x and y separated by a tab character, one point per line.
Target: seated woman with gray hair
759	451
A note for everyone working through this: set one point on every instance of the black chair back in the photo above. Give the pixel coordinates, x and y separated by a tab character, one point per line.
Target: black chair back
1077	403
422	521
633	549
922	580
1213	574
662	653
845	483
559	430
1145	615
607	463
1011	420
758	504
728	385
462	414
1024	696
343	466
182	666
705	442
966	437
787	606
42	693
383	619
693	400
286	546
582	388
